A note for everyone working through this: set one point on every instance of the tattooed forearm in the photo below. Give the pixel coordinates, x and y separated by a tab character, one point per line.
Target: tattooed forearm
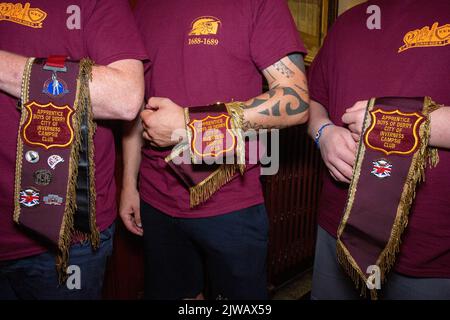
259	101
287	102
283	69
275	110
247	125
302	88
293	106
297	60
302	105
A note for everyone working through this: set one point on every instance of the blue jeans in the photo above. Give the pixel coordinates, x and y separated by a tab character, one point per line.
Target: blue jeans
330	282
228	251
35	277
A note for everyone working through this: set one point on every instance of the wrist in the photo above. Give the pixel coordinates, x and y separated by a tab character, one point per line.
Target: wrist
129	186
320	131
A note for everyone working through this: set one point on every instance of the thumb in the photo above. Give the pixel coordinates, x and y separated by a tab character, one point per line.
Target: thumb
137	217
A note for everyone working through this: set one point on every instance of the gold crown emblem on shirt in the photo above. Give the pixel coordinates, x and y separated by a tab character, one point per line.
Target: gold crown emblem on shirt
205	26
427	37
22	14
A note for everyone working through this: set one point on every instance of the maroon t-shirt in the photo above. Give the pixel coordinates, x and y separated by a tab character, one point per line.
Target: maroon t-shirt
355	64
203	52
108	33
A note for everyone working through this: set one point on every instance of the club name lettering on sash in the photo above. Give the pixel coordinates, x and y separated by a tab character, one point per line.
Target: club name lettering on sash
48	125
393	132
212	136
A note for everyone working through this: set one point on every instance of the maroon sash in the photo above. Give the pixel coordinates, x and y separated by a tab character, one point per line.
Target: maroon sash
215	151
391	160
55	126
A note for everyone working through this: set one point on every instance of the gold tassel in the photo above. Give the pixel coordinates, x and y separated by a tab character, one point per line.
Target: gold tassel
82	104
24	97
416	174
236	111
205	189
85	77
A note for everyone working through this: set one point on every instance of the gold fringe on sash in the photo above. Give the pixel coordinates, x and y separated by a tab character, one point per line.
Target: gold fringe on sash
205	189
423	156
82	104
24	97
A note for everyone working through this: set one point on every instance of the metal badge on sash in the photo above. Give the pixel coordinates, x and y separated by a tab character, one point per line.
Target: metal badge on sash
214	135
393	153
56	130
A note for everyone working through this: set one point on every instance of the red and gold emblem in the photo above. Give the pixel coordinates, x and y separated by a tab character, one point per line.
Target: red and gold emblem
394	132
212	136
48	125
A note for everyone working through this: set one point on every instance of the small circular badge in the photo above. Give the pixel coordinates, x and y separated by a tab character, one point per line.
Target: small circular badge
42	177
32	156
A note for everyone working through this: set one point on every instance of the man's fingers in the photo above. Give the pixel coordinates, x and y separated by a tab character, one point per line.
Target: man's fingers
129	223
337	175
146	116
137	217
356	137
344	169
349	117
350	142
347	155
146	136
156	102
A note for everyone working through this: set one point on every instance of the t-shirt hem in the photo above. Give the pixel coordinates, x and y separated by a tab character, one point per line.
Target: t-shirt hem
329	227
401	269
22	254
108	60
279	55
35	251
421	273
317	99
192	215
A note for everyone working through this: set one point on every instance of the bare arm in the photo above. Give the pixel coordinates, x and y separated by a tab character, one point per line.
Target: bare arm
337	146
131	151
117	90
287	101
440	128
129	209
285	104
318	116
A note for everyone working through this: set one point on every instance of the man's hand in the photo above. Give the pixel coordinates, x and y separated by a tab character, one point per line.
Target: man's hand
130	211
338	151
354	118
162	120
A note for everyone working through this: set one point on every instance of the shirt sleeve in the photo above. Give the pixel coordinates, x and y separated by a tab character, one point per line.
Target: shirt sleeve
274	33
111	33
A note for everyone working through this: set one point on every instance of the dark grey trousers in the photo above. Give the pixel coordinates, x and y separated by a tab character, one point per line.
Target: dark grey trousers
330	282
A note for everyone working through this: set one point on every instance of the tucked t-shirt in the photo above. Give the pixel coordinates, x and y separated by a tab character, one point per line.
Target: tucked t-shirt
408	57
203	52
107	32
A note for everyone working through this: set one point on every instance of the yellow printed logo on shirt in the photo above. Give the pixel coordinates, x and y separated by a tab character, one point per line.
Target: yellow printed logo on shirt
205	26
427	37
203	31
22	14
